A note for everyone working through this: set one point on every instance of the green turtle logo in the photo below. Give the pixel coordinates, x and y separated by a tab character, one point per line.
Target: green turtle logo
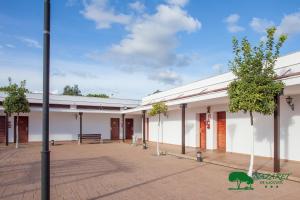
239	178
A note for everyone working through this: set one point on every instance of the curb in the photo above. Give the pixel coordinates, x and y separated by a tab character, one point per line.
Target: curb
290	178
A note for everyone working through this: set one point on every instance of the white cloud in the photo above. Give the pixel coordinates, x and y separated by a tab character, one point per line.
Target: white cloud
290	24
178	2
137	6
28	66
232	23
71	2
104	16
218	68
10	46
260	25
152	40
167	77
30	42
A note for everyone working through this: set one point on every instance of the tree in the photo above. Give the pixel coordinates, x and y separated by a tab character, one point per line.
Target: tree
16	103
241	177
98	95
158	109
255	85
72	91
4	89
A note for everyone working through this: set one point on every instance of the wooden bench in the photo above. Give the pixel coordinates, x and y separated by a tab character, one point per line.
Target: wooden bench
94	137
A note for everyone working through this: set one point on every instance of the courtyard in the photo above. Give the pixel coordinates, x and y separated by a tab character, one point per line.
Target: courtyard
121	171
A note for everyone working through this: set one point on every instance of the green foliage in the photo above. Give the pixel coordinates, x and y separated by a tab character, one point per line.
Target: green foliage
4	89
255	85
158	108
98	95
16	101
240	177
72	91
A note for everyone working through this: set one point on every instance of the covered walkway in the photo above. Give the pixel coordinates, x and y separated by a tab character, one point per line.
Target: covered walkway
233	160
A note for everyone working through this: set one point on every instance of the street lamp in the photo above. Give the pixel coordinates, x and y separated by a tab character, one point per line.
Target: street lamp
45	153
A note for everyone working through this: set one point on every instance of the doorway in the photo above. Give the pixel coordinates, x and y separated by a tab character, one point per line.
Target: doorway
202	131
221	131
2	129
115	128
22	129
129	128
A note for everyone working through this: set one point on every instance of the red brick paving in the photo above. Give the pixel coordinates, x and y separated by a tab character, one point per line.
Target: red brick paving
121	171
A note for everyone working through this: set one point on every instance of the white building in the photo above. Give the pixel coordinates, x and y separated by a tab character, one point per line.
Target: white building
98	114
208	123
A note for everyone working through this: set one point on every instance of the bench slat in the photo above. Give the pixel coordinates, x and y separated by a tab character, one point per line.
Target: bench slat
96	137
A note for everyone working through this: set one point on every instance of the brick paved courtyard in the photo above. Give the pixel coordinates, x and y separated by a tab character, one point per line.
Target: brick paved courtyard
121	171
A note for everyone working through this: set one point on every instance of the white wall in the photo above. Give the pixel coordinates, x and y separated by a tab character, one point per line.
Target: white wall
290	130
64	126
238	130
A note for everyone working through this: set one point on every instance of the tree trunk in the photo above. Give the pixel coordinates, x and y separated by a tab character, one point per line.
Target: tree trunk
157	141
250	171
239	184
17	132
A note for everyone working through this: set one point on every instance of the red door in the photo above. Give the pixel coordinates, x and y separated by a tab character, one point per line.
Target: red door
129	128
2	129
221	131
115	128
22	128
203	131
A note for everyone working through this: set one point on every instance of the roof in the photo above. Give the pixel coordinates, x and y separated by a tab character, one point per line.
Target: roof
285	66
80	100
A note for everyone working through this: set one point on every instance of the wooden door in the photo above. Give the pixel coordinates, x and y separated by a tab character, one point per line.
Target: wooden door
115	128
2	129
203	131
221	131
129	128
22	128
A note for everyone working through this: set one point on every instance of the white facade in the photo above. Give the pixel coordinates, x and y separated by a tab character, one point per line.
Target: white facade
64	123
212	92
238	130
65	127
198	96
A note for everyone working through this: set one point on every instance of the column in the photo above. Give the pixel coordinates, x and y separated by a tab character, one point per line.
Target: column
80	129
183	106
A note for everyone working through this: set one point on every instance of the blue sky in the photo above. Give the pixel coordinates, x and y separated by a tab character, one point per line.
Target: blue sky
129	48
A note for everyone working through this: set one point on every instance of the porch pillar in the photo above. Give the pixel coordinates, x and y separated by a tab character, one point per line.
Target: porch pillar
6	130
183	106
277	134
123	127
80	129
144	129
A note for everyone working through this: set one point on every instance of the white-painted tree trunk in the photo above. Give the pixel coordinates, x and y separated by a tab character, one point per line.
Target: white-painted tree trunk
250	171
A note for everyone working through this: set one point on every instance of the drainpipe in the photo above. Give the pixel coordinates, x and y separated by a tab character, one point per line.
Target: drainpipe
183	106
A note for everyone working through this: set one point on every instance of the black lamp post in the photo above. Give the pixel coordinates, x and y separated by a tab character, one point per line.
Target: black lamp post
45	153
